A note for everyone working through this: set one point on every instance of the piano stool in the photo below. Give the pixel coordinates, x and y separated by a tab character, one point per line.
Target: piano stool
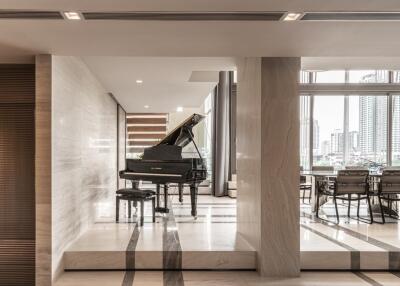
136	195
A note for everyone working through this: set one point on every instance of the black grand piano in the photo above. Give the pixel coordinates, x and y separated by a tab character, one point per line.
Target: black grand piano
163	164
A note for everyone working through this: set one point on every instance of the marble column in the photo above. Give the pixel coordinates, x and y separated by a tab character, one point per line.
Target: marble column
268	162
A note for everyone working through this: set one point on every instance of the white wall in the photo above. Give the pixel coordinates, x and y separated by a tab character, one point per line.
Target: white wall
84	154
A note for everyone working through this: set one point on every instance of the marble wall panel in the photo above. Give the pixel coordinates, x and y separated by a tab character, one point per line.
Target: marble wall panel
43	170
267	162
84	153
248	144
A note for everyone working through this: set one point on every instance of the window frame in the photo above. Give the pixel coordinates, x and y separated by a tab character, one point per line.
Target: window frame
347	89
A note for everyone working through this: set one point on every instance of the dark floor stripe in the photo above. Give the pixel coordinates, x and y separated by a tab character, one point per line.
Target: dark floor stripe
205	204
206	216
130	257
354	253
395	273
172	252
205	222
355	234
394	252
367	279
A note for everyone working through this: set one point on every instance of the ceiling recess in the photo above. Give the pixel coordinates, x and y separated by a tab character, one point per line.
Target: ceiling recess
351	16
185	16
29	15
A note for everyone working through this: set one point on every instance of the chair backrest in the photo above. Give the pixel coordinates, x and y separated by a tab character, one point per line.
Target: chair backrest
351	182
390	181
323	168
355	168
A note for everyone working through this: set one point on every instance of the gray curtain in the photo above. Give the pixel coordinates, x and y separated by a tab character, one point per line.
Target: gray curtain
222	134
232	127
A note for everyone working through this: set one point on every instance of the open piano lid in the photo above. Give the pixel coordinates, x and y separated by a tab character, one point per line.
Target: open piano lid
182	134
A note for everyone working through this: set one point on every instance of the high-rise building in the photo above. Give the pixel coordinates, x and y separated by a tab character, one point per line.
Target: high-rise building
325	147
396	126
337	141
316	135
353	141
373	126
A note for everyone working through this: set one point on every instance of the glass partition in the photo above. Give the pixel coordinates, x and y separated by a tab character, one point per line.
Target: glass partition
305	113
368	76
332	76
396	130
328	139
366	139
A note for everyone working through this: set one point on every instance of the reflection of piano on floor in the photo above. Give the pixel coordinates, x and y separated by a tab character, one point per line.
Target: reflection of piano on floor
163	164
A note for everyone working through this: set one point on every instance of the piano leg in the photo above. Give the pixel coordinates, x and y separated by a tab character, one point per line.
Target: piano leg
117	209
158	195
166	197
193	199
180	190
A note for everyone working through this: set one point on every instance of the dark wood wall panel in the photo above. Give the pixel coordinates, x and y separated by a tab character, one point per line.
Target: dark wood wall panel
17	181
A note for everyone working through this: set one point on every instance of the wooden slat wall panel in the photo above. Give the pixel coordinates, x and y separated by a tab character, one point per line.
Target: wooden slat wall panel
17	185
146	136
147	128
144	130
146	120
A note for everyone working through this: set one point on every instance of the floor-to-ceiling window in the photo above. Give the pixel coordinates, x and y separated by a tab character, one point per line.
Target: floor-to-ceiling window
350	119
328	143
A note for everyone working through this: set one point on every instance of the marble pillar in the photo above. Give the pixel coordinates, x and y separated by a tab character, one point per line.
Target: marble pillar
268	162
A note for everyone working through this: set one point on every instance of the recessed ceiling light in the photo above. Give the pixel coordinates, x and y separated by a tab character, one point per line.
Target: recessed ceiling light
179	109
292	16
71	15
139	81
146	106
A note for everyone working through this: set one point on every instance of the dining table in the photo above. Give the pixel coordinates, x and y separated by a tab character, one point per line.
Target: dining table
315	176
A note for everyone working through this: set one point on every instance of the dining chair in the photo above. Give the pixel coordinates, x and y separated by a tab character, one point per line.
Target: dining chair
322	168
305	186
389	189
347	184
355	168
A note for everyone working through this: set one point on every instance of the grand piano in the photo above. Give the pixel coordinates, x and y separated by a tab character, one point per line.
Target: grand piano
163	164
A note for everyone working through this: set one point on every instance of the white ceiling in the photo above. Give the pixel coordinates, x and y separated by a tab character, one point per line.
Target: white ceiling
166	81
204	5
19	39
112	49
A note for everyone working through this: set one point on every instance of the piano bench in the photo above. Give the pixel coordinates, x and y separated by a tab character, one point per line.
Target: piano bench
136	195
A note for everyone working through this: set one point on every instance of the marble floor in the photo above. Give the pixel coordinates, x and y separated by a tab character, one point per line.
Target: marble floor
352	244
175	241
225	278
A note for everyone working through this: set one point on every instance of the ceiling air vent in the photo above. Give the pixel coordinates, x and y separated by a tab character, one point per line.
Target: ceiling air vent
29	15
185	16
352	16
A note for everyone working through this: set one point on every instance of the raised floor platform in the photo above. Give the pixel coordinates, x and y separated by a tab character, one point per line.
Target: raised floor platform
175	241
